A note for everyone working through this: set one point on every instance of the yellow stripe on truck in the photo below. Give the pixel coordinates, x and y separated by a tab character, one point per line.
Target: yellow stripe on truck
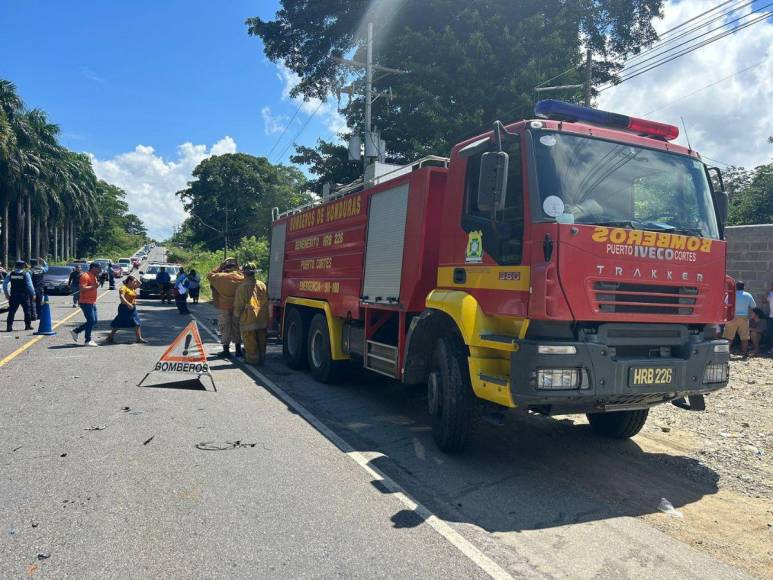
487	357
513	278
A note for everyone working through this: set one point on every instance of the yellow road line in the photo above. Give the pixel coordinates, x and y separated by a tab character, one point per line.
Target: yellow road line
32	341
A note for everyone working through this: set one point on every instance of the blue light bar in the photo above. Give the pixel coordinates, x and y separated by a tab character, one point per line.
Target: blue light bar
559	110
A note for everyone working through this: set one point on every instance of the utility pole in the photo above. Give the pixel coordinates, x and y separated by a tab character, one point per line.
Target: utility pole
225	246
369	80
588	75
371	96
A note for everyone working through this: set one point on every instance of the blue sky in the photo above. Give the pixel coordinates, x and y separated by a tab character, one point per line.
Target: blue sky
149	89
118	74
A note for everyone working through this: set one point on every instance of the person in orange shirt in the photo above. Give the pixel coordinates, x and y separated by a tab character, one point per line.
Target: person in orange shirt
88	283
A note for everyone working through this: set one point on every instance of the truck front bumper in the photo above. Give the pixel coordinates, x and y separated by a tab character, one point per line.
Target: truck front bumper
611	383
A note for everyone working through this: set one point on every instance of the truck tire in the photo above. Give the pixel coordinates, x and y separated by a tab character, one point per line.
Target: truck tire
294	340
321	364
452	405
618	424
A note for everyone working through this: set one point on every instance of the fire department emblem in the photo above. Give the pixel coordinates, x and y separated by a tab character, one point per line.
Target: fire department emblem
474	253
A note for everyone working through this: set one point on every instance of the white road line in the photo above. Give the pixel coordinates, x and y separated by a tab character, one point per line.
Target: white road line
451	535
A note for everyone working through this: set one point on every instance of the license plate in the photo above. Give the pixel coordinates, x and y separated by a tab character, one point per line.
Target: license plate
639	376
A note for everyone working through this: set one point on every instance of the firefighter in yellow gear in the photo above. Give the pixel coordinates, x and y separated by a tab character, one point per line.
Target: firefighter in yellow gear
224	280
251	308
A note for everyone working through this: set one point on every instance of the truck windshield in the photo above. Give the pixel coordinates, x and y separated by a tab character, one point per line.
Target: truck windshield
606	183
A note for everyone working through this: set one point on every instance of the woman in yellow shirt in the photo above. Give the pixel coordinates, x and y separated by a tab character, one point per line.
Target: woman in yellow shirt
127	316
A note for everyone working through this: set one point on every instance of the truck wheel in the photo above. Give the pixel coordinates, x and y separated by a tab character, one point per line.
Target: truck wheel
618	424
321	364
450	396
294	340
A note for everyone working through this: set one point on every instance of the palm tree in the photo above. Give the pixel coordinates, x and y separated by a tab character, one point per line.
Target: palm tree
39	185
46	184
11	162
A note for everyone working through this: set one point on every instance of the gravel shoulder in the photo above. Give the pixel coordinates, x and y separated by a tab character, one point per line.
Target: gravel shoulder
733	438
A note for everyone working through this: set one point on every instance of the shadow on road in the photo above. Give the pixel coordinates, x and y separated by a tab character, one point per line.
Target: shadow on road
534	472
189	384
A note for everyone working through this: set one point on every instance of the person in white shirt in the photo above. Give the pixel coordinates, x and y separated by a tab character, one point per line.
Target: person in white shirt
770	300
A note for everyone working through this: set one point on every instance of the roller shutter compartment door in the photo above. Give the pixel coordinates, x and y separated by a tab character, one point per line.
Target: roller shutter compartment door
276	261
386	237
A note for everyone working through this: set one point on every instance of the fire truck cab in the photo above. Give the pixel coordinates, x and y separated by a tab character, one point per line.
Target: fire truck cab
572	263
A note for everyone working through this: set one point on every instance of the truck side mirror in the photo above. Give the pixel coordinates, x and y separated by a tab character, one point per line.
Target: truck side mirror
492	183
723	205
721	199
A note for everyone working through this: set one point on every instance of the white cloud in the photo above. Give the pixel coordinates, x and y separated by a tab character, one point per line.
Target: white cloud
272	124
150	181
729	122
92	75
327	111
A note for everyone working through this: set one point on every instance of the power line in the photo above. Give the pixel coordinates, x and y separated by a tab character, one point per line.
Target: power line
663	41
686	51
657	45
631	68
716	160
285	129
710	10
683	97
298	134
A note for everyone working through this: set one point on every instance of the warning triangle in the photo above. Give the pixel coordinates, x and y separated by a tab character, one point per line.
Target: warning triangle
184	356
187	347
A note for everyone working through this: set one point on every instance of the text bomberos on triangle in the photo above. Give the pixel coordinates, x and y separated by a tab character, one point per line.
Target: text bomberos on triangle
186	354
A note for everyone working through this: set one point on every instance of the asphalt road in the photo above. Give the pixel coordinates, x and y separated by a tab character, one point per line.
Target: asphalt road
327	490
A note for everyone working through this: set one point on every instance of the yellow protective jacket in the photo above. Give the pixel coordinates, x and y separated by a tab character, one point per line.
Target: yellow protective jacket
224	285
251	305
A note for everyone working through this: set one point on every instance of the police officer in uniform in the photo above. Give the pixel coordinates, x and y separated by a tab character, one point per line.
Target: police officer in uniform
37	272
19	291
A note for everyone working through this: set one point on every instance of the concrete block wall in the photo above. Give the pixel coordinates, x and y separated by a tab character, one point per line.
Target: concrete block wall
750	258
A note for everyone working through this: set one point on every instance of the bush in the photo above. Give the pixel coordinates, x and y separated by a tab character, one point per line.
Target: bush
250	249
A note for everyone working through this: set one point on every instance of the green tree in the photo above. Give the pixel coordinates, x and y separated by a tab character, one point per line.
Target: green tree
232	195
254	249
468	63
736	180
754	203
53	191
329	162
114	230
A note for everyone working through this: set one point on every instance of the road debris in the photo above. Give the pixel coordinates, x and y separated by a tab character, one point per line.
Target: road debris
43	555
126	409
667	508
63	455
224	446
96	428
148	440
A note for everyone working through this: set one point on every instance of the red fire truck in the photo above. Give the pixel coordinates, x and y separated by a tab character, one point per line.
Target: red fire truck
573	263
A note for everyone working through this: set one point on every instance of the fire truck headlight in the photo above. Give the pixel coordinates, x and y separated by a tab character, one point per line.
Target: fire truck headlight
560	379
722	347
715	374
556	349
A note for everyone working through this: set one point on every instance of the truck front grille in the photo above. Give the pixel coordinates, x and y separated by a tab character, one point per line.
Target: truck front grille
627	297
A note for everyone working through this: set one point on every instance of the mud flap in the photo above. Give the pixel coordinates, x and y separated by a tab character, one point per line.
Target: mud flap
693	403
